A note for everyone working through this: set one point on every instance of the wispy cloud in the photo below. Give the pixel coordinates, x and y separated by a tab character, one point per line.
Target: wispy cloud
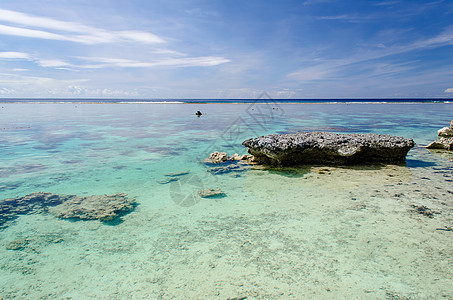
449	90
14	55
104	62
326	68
29	26
347	18
385	3
113	62
24	25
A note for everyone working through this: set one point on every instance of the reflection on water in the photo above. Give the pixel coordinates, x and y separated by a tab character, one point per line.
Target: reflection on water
305	232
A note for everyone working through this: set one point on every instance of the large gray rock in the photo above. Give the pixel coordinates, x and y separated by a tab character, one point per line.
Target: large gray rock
444	140
328	148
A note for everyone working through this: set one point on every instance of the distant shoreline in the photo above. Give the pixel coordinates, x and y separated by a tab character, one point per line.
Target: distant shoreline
225	101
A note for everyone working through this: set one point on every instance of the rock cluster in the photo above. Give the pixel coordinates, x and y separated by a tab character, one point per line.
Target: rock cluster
102	207
221	157
328	148
226	164
444	140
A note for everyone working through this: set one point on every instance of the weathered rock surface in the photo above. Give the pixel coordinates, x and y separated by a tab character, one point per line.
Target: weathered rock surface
229	167
211	193
221	157
227	164
218	157
444	140
328	148
245	157
104	207
32	203
98	207
174	176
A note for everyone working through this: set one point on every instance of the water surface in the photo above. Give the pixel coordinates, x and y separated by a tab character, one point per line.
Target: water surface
308	232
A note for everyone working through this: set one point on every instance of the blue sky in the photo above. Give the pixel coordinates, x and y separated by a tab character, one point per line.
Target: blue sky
226	48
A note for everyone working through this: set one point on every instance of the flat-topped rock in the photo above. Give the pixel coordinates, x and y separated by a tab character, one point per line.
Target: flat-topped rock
328	148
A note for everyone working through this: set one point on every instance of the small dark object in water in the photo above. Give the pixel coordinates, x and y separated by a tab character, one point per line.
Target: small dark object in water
198	113
424	210
445	229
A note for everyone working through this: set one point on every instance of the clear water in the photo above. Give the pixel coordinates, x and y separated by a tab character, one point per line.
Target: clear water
312	232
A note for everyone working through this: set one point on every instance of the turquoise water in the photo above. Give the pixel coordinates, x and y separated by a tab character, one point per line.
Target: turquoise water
311	232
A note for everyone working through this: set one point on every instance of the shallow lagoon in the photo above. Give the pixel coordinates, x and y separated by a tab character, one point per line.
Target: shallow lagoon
310	232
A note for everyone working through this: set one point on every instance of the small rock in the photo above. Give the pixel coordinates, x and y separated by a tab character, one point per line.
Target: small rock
167	180
176	174
444	140
424	210
211	193
218	157
445	132
233	167
17	244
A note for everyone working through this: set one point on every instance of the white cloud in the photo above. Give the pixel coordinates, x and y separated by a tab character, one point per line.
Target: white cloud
52	63
14	55
443	39
105	62
10	30
348	18
109	62
68	31
205	61
449	90
46	63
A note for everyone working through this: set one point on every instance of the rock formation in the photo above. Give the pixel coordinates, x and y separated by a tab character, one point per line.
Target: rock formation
210	193
328	148
103	207
32	203
221	157
98	207
226	164
444	140
218	157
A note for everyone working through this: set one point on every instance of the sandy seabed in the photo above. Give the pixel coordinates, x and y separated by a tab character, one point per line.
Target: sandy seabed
354	233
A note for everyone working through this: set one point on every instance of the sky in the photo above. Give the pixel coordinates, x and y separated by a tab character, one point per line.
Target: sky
226	49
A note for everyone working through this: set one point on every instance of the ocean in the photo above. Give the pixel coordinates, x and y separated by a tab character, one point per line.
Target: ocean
318	232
